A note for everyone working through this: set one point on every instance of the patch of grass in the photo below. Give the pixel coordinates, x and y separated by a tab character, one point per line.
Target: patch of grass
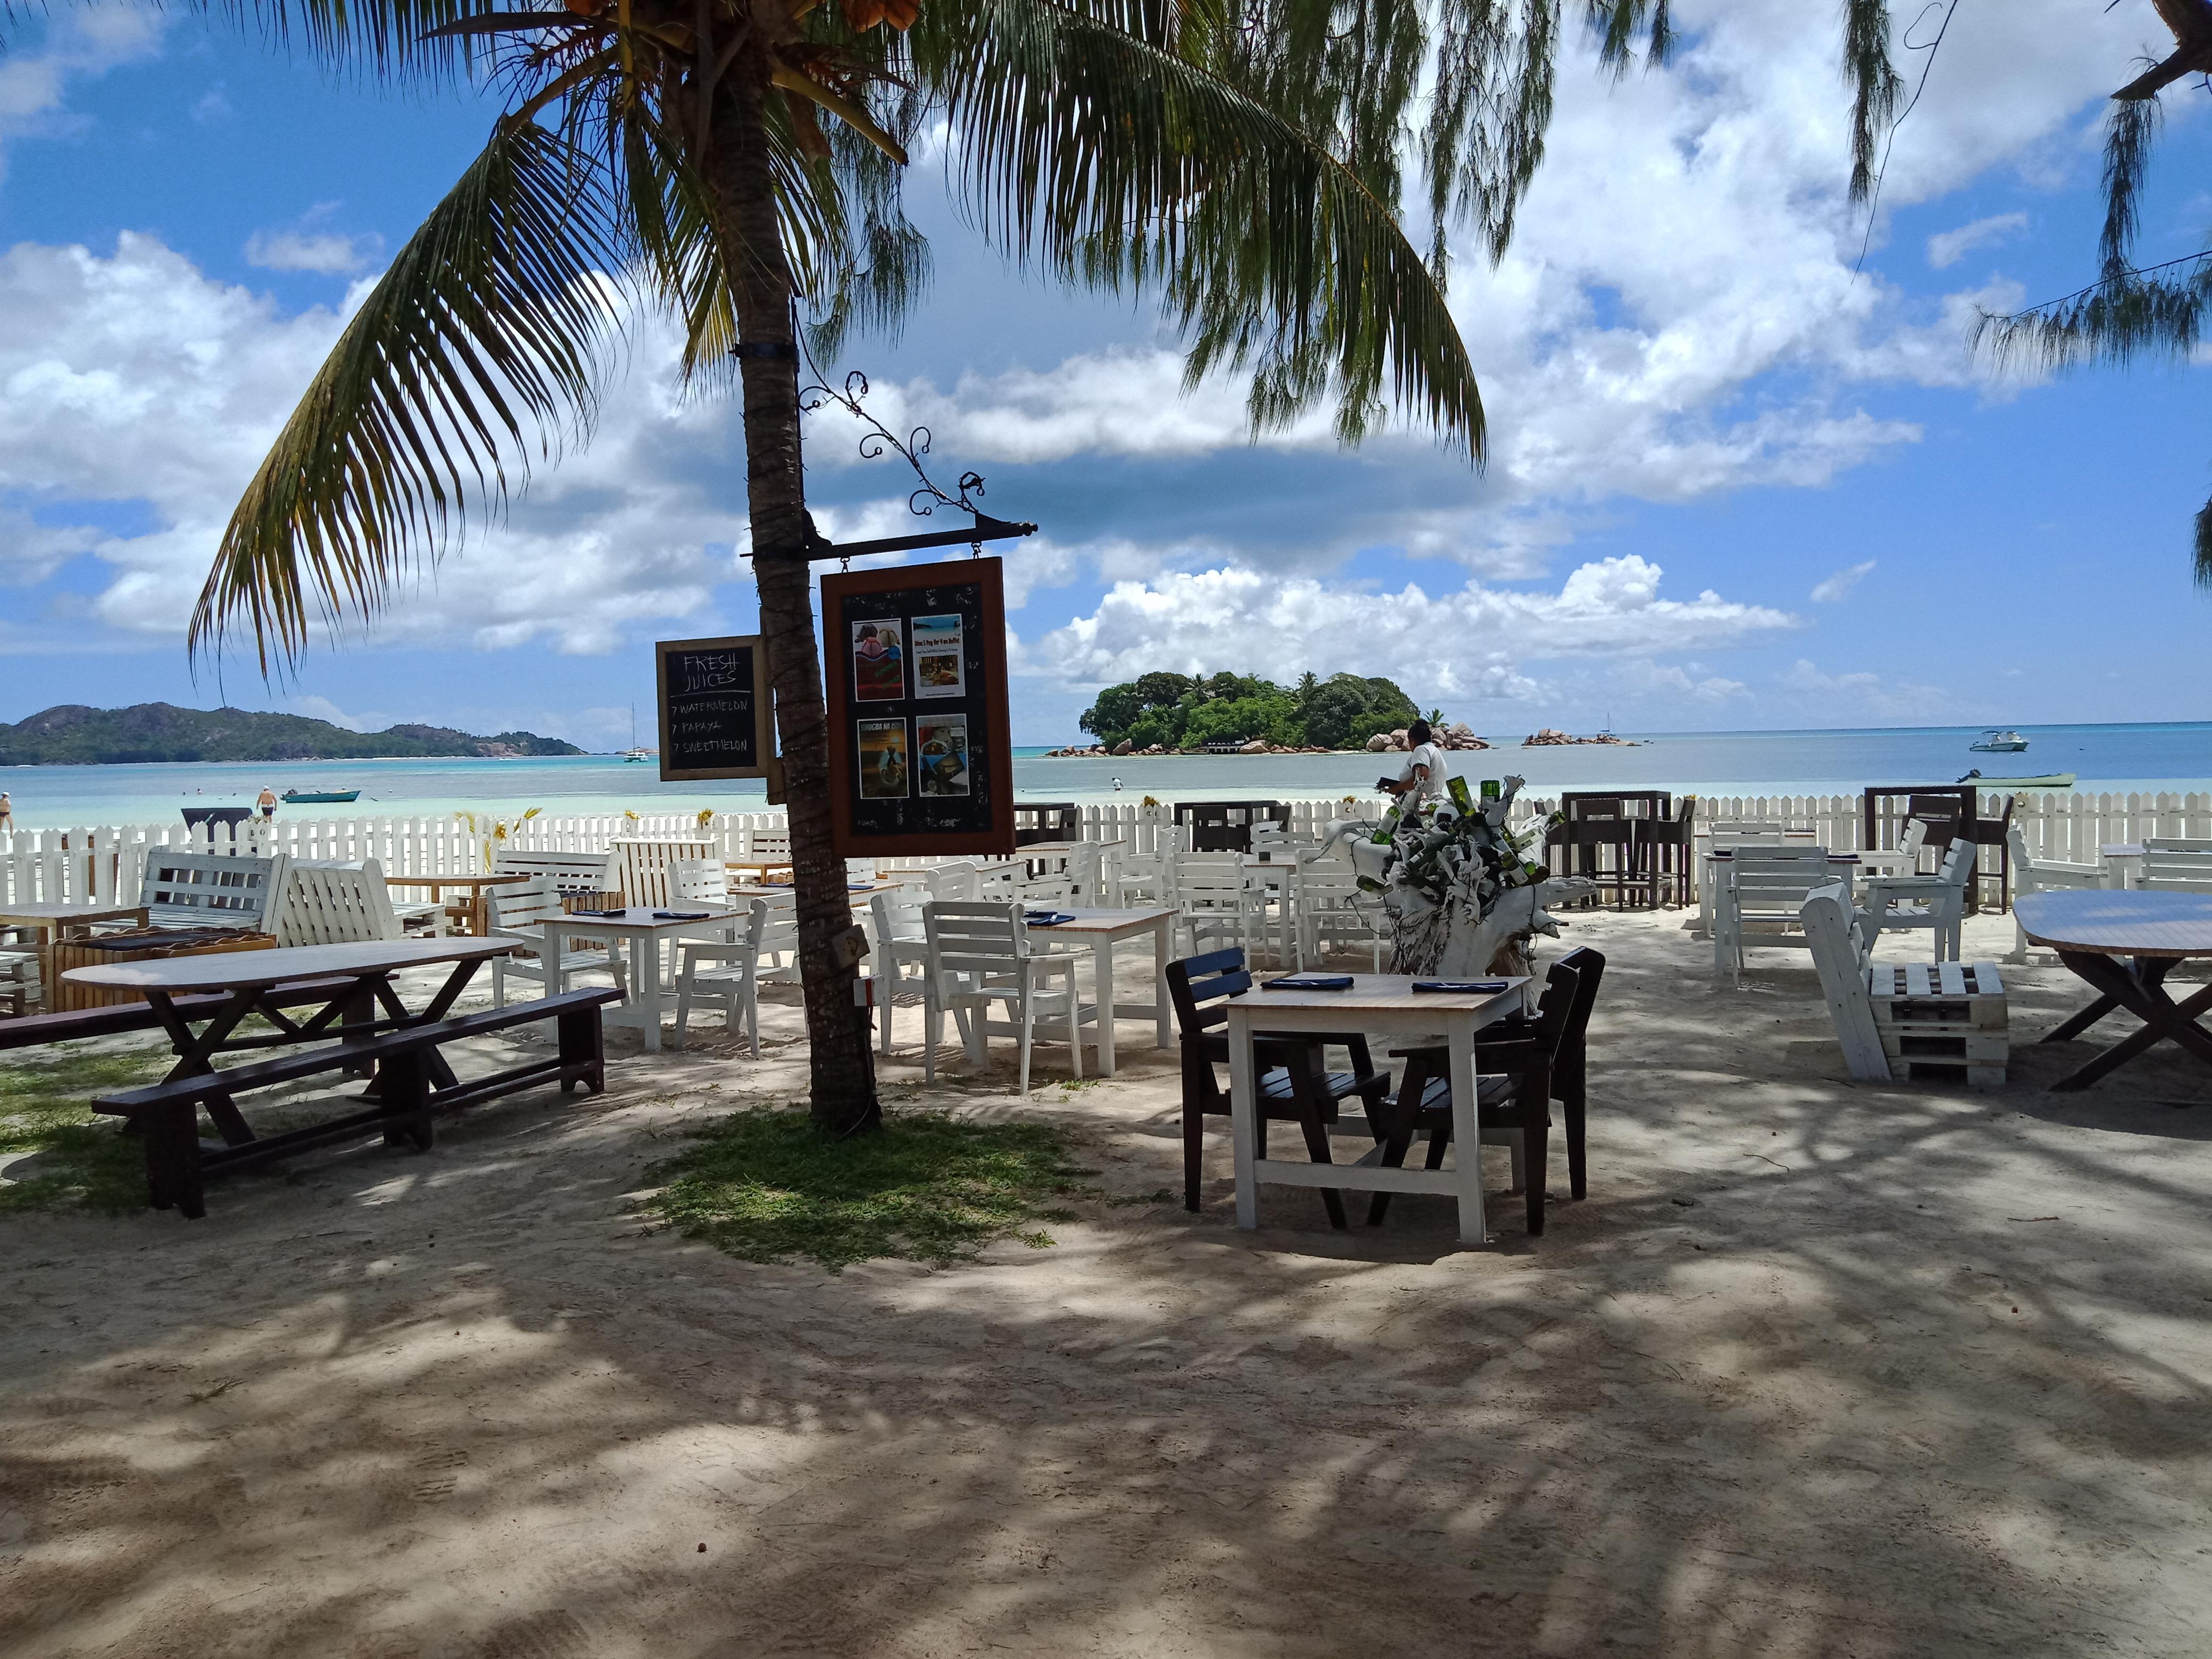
46	1107
766	1186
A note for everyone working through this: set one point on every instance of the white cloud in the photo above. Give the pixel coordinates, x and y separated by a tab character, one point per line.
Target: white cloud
326	252
134	378
322	708
1834	588
1948	247
30	551
1471	643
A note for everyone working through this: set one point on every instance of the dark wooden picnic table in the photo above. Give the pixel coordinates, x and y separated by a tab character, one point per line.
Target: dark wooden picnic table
201	1001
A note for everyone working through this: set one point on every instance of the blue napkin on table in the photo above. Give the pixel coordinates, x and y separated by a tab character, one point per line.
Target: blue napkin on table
680	915
1046	918
1309	982
1461	987
619	910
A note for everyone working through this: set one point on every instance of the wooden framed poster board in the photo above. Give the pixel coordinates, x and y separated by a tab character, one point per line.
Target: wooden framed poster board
920	754
716	719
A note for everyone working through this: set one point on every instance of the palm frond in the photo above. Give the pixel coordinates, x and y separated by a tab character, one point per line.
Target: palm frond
1875	88
492	321
1119	166
1488	114
2130	130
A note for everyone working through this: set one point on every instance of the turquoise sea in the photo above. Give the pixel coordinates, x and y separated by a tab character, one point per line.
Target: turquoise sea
2146	757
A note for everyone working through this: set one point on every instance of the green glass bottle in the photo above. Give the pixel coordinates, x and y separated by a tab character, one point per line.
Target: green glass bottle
1493	788
1389	826
1458	789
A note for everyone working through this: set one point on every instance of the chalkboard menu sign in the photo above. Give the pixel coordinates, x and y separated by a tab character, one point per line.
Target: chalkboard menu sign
921	755
716	720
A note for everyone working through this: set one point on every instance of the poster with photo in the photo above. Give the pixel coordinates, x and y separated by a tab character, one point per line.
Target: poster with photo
938	671
941	741
878	660
883	760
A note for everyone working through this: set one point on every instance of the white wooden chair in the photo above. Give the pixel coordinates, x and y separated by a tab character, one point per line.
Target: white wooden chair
210	890
1089	880
902	941
645	868
699	881
1760	892
956	882
729	971
979	954
1903	860
1146	879
1898	1023
1210	895
1935	904
2032	874
1331	911
338	904
768	853
2176	844
519	911
568	872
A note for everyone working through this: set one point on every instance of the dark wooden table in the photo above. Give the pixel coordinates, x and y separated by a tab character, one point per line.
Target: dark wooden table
247	978
2124	945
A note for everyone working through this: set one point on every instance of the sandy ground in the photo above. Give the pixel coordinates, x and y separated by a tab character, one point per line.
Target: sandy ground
1817	1369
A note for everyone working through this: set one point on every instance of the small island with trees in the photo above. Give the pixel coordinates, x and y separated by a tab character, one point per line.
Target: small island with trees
1165	714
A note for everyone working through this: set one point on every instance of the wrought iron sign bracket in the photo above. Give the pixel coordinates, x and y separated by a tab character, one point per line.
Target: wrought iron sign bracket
987	529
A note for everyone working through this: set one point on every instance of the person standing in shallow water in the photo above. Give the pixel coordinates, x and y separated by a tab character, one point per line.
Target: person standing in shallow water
7	814
267	802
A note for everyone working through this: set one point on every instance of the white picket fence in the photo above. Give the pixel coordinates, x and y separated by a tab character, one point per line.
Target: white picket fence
106	863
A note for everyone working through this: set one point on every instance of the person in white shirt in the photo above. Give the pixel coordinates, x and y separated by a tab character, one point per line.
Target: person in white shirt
1423	776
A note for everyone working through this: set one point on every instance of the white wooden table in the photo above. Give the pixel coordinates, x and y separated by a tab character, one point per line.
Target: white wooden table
642	929
1102	930
1386	1007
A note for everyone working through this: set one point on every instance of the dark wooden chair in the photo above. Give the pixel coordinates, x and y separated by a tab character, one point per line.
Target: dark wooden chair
1523	1067
1295	1086
1664	845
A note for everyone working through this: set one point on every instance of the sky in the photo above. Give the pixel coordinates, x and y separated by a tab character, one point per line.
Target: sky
1736	481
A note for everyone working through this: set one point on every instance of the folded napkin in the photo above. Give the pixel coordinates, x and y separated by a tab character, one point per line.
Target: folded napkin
680	915
1046	918
1461	987
619	910
1309	982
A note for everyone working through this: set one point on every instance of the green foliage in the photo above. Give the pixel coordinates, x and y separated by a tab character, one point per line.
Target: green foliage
768	1186
80	1160
1179	712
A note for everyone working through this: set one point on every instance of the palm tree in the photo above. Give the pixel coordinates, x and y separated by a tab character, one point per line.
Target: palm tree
738	162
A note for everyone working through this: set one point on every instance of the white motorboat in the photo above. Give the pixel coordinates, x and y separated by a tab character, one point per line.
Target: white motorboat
1999	743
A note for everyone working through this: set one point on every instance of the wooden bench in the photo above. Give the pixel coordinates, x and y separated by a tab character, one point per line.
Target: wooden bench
167	1113
34	1030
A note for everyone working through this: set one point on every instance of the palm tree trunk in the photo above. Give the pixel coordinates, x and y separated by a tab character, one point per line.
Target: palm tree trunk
736	170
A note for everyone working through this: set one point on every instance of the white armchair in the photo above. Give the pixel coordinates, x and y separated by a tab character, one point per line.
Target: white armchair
979	954
1936	903
728	971
2032	874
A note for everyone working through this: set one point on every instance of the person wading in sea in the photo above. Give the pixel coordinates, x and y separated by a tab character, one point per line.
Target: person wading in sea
267	802
7	814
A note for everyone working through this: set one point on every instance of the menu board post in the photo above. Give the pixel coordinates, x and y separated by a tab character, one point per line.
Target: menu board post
920	750
717	720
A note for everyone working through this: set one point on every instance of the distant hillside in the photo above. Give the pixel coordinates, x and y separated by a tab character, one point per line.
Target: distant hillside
71	734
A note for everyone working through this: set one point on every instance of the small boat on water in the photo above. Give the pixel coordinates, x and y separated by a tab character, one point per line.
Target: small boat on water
1999	743
319	797
637	754
2044	780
